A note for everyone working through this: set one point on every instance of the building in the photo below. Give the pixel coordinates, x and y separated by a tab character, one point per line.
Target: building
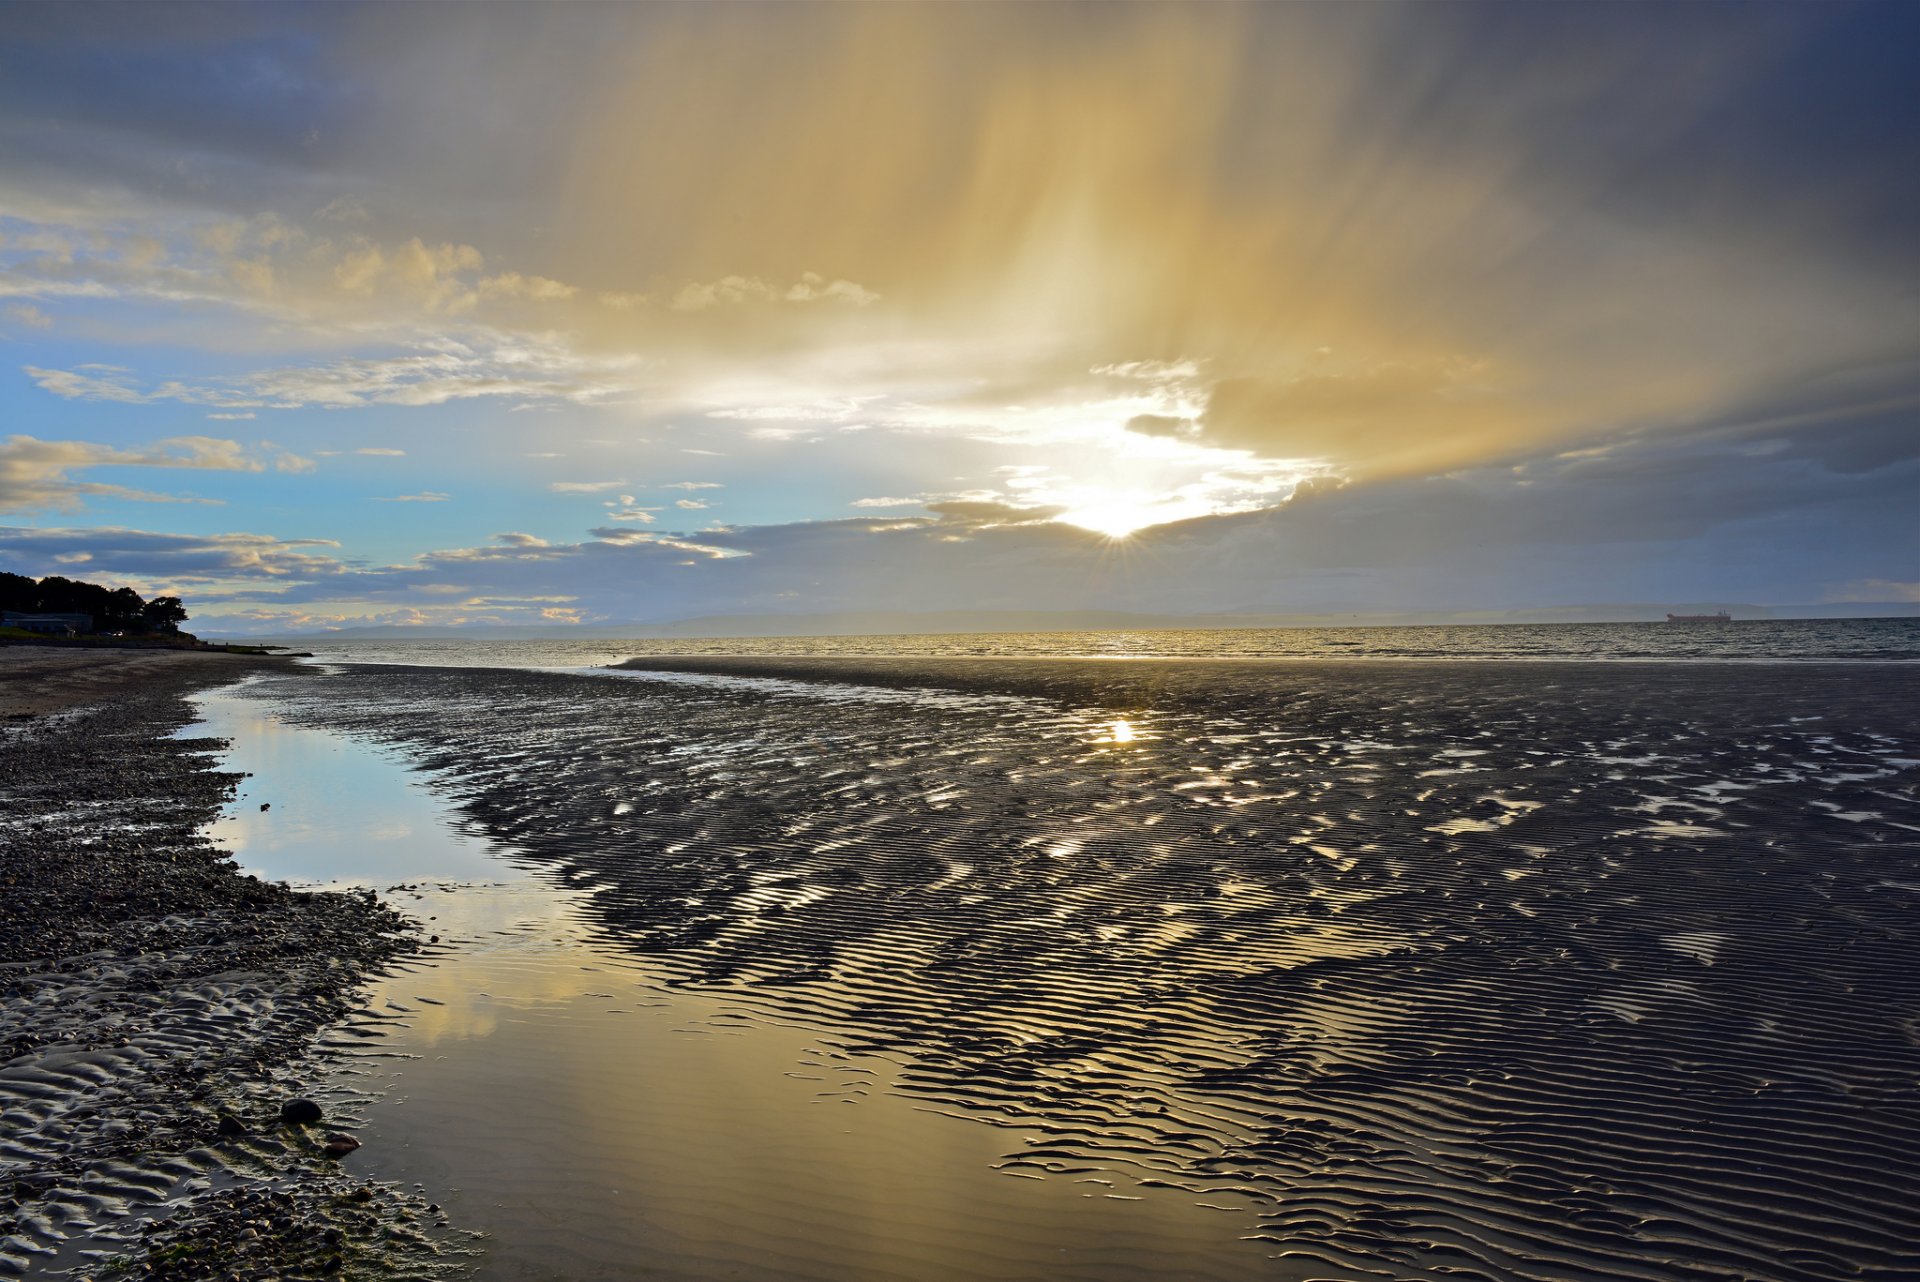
52	625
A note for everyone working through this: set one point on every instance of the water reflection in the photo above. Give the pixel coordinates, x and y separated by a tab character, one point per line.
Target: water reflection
320	809
596	1120
600	1124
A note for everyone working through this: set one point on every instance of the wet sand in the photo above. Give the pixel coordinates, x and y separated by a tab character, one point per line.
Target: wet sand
148	989
1590	971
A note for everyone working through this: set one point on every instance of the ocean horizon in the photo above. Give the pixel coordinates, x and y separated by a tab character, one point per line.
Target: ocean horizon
1752	641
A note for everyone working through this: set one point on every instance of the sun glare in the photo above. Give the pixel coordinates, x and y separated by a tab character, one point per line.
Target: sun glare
1116	518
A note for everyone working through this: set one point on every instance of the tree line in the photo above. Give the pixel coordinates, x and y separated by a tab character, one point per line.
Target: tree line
120	611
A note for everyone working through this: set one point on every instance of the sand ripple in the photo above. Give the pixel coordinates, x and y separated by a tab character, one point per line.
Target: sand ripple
1471	972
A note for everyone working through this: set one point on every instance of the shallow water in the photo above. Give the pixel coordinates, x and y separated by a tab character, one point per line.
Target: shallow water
321	809
594	1120
1584	973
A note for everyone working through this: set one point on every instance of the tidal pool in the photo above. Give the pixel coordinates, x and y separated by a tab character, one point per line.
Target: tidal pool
590	1120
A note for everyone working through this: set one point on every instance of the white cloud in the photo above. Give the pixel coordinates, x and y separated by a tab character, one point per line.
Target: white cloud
425	496
98	383
37	474
378	452
691	505
693	485
1151	371
627	508
584	487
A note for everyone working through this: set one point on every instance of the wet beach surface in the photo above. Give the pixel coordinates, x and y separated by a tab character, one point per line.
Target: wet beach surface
1342	971
149	990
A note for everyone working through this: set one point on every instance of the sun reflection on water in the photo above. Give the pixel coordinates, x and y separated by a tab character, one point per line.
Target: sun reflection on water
1123	731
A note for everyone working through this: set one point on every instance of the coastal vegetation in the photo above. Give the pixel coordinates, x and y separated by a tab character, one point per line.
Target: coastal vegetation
110	611
72	612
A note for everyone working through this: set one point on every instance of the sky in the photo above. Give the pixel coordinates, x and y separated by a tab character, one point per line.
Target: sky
581	315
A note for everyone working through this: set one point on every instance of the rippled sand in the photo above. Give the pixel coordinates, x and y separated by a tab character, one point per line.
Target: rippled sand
1469	970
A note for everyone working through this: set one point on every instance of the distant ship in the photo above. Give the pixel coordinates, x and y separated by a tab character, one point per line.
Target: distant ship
1722	617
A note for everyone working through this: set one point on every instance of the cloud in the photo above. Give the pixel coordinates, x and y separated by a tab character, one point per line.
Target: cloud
1159	425
690	505
1338	241
37	474
536	288
28	314
584	487
628	508
692	485
213	562
425	496
1640	521
343	209
100	383
990	513
736	290
1150	371
422	378
379	452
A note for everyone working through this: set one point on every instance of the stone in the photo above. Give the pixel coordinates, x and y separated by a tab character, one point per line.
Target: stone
300	1112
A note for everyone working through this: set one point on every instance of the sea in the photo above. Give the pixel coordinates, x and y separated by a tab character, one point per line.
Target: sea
1764	641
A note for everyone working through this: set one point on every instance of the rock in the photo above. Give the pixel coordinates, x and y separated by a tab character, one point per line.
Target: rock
266	805
340	1145
300	1112
231	1126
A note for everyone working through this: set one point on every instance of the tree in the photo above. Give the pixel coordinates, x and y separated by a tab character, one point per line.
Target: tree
18	593
164	614
113	610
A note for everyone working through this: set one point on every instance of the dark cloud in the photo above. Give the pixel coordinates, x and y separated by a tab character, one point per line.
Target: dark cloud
148	556
987	512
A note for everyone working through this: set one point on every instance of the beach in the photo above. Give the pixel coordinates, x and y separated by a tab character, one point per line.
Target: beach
1004	968
156	1005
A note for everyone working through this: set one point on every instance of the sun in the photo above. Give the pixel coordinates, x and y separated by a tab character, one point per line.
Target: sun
1116	516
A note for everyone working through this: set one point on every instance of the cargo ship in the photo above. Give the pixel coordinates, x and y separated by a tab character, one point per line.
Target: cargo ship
1722	617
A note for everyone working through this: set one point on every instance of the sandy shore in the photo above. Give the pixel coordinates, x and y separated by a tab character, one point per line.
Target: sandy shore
40	679
155	1002
1573	970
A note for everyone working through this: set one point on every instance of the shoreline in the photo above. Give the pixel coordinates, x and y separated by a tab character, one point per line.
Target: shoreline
158	1005
1127	681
